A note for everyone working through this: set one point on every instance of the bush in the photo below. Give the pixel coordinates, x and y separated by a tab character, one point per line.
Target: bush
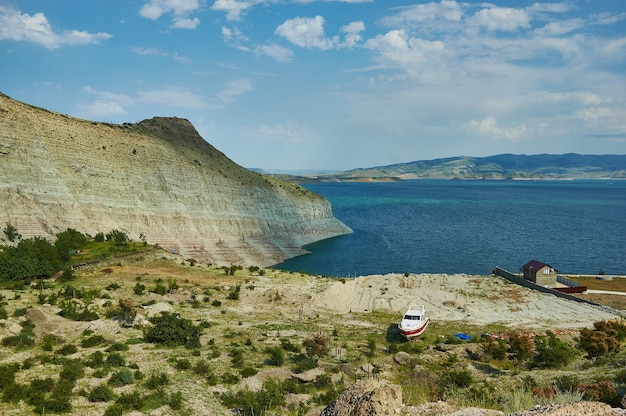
157	380
72	370
92	341
553	352
602	391
252	403
121	378
182	364
175	401
67	349
597	343
277	356
316	346
116	360
495	348
139	289
73	312
304	363
172	330
130	401
248	372
101	393
521	347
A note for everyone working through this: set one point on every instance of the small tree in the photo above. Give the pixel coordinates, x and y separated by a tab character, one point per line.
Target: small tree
553	352
495	348
521	347
316	346
598	343
172	330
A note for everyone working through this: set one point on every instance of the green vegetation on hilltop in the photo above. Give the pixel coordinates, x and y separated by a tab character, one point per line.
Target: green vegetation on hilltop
37	258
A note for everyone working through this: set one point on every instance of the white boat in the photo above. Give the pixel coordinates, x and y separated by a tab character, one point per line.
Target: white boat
414	322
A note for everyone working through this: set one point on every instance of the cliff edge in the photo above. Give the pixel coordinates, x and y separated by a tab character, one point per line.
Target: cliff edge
157	179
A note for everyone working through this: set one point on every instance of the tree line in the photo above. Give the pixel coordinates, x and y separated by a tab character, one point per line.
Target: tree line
36	257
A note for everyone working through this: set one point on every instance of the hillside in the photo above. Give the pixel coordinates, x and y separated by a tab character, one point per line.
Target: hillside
157	180
277	343
505	166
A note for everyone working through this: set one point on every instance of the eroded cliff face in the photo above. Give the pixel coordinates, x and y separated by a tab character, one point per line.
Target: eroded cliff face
157	178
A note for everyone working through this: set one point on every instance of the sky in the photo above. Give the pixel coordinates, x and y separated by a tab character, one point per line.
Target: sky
332	84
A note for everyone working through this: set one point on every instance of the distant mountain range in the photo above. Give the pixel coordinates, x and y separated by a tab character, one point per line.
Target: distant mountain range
498	167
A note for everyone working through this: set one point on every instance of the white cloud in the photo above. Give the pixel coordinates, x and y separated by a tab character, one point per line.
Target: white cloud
159	52
396	49
500	18
180	8
353	33
186	23
18	26
276	52
560	27
425	14
489	127
234	89
172	97
306	32
551	7
234	8
289	132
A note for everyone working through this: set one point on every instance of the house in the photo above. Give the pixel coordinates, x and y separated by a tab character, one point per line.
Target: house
541	273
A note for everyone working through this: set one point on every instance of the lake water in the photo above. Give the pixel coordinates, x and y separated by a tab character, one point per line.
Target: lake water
447	226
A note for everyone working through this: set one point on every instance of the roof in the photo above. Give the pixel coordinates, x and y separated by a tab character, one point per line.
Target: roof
535	265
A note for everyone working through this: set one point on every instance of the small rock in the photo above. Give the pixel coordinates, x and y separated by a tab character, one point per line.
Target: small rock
402	358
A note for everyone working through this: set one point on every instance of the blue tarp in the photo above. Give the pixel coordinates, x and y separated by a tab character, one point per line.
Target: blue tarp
463	337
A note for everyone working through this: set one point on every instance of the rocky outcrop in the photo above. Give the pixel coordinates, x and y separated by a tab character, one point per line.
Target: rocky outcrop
366	398
158	180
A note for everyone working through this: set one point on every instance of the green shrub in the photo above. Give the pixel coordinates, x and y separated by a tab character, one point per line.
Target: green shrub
159	289
495	348
72	370
13	393
202	368
277	356
70	310
118	346
101	393
116	360
121	378
139	289
175	401
304	363
156	381
253	403
182	364
171	330
25	339
130	401
552	352
248	372
92	341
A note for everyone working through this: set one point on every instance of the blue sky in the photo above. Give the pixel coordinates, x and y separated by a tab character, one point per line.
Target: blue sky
331	84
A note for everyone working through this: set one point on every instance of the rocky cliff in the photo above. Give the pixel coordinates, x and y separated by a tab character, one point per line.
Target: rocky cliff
157	179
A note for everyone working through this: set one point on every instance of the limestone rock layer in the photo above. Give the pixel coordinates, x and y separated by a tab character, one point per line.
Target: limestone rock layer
157	179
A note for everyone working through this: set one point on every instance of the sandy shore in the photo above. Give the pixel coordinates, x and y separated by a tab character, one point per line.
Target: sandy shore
479	300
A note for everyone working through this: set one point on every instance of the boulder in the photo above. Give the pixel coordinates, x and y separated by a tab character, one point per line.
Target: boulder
402	358
366	398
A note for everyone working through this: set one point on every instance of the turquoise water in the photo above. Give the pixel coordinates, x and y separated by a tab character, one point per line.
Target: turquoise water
443	226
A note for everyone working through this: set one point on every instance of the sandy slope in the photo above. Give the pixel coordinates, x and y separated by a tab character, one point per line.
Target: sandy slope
477	300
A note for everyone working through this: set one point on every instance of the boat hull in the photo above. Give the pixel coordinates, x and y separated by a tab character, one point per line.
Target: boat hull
413	332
